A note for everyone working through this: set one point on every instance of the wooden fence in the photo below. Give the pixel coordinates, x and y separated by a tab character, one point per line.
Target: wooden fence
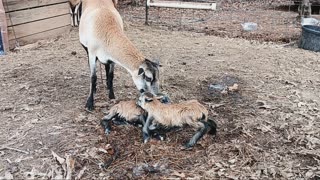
32	20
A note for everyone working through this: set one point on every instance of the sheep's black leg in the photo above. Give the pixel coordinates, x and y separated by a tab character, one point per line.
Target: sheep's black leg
79	11
93	84
93	89
72	9
109	74
199	134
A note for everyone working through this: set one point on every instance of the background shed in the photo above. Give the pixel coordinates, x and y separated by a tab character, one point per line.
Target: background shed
31	20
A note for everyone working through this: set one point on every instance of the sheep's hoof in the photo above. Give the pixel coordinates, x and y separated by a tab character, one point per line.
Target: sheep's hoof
90	106
111	96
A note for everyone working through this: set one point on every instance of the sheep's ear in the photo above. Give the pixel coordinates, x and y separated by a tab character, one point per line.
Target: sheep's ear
141	71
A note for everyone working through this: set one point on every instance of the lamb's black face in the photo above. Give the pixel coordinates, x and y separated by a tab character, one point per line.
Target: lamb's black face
148	97
144	98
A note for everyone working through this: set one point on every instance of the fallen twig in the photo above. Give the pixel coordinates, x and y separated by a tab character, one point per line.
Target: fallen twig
14	149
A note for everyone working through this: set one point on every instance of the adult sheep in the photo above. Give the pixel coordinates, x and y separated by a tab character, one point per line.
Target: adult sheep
102	36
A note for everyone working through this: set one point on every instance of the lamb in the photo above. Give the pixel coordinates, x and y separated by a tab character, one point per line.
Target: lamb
102	36
190	113
127	112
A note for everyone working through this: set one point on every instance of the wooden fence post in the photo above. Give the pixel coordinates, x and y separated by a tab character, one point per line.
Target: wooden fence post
3	28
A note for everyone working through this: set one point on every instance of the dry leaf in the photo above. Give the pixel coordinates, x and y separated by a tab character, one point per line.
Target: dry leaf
263	105
233	88
102	150
58	158
8	175
111	151
232	161
218	165
108	146
34	173
81	173
176	173
309	174
70	166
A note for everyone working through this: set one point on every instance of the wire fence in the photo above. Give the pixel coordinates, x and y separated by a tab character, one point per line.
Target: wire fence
277	21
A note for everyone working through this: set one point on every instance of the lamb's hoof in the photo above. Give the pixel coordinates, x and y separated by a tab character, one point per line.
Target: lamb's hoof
104	124
145	138
159	137
186	147
107	132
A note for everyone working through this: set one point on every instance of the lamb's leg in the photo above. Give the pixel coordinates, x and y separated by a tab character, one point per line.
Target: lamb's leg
93	83
106	122
200	132
145	129
119	121
109	73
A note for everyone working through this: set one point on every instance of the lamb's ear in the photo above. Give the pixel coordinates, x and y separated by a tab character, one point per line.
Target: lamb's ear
163	98
141	71
160	96
148	99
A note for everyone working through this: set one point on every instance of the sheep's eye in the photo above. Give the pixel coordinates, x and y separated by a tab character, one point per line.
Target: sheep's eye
148	79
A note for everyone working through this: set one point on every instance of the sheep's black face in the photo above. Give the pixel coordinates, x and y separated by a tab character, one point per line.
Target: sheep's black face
148	75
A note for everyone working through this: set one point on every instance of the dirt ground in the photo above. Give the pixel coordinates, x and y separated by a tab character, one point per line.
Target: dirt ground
268	129
276	20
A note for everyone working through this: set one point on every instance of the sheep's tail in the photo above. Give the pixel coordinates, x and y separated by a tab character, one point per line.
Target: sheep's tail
213	127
